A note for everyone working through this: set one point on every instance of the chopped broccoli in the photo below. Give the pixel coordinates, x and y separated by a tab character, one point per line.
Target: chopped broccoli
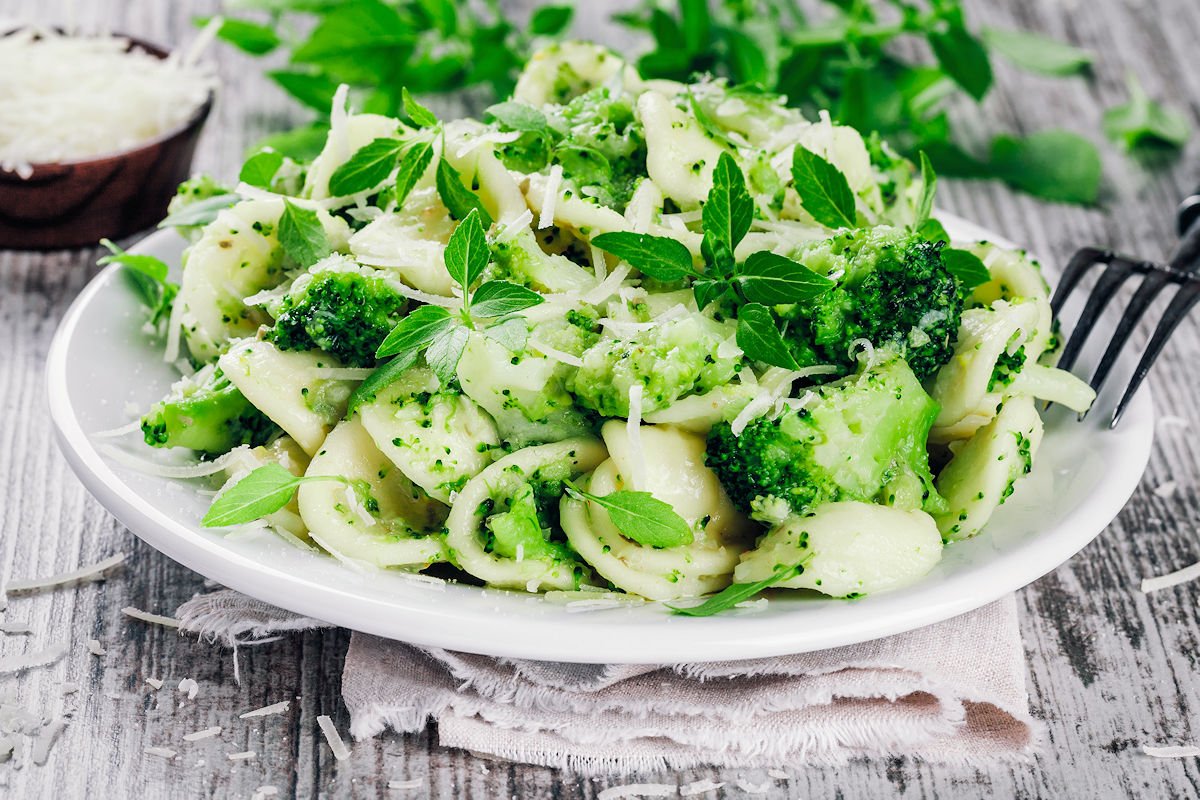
893	290
893	172
525	526
1006	369
861	438
671	360
206	412
345	313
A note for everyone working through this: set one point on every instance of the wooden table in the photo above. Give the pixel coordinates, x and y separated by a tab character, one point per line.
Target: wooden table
1110	669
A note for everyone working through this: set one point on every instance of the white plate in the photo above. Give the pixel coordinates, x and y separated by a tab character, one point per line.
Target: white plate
100	363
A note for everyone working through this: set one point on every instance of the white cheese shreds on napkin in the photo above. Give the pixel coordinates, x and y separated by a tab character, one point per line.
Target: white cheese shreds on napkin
161	752
246	755
146	616
66	98
631	790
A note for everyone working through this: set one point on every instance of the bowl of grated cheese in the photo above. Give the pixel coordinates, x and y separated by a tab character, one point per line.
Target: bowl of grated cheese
96	133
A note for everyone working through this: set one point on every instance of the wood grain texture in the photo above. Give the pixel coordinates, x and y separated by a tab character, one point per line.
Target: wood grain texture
1110	669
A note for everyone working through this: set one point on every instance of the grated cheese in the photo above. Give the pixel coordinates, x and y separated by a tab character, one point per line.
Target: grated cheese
207	733
508	230
699	787
15	627
245	755
115	433
608	287
550	198
266	711
89	573
161	752
45	740
263	792
1167	490
754	788
340	751
599	263
95	648
155	683
67	98
1173	751
1171	579
174	332
432	582
146	616
557	355
199	469
414	783
578	606
637	790
633	431
190	686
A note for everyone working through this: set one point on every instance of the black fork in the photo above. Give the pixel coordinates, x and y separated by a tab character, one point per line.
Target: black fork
1181	269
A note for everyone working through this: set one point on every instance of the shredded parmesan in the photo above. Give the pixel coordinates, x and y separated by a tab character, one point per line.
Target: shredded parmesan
1167	490
266	711
357	508
207	733
1171	579
199	469
608	287
174	332
633	431
245	755
864	351
699	787
155	683
760	404
1173	751
414	783
15	627
190	687
95	648
161	752
508	230
599	263
550	198
146	616
495	137
779	775
45	740
557	355
340	751
637	790
754	788
580	606
87	574
116	433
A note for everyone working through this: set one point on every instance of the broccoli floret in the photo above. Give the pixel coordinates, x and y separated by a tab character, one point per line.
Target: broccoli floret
671	360
206	412
893	290
527	525
861	438
893	172
1006	369
345	313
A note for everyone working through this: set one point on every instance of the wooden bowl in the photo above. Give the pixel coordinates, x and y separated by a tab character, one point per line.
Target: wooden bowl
76	203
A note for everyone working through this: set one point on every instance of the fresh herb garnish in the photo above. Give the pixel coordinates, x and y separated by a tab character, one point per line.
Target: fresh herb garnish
370	166
824	191
966	267
660	257
1037	53
1143	123
199	213
639	516
928	191
727	214
301	235
460	200
260	169
736	593
760	339
413	163
419	114
772	279
149	276
263	491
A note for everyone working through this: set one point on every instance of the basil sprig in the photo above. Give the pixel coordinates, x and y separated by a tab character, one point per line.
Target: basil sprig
264	491
639	516
736	593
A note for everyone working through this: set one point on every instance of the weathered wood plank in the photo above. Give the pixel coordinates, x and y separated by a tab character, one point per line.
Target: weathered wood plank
1109	668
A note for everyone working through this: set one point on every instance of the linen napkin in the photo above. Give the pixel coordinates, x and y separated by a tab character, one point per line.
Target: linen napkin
951	692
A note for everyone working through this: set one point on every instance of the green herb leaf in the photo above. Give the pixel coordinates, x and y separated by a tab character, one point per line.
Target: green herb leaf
445	350
370	166
149	266
415	331
264	491
467	252
413	165
512	333
640	516
726	215
299	144
501	298
200	212
1038	53
149	277
772	279
660	257
302	236
736	593
966	266
259	170
928	190
1055	165
417	112
458	198
519	117
313	90
709	290
249	37
550	20
383	376
1141	122
355	34
760	340
933	231
964	58
823	189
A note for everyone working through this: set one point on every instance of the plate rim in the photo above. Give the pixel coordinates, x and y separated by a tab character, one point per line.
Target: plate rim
524	636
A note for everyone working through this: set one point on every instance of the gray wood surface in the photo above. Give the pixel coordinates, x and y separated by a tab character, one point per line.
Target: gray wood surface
1110	669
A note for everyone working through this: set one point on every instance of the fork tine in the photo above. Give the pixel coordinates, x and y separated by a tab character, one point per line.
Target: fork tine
1083	260
1150	289
1180	305
1114	275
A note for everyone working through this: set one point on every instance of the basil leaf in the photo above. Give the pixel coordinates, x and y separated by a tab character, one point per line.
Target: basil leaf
1055	165
964	58
501	298
458	198
1141	122
148	266
641	516
928	190
249	37
370	166
383	376
300	144
200	212
259	170
415	331
302	236
660	257
314	91
467	252
736	593
760	340
1038	53
823	189
550	20
709	290
933	231
352	34
726	215
512	333
772	279
417	112
697	25
519	117
966	266
445	351
413	165
264	491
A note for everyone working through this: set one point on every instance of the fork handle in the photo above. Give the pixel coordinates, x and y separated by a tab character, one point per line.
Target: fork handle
1186	256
